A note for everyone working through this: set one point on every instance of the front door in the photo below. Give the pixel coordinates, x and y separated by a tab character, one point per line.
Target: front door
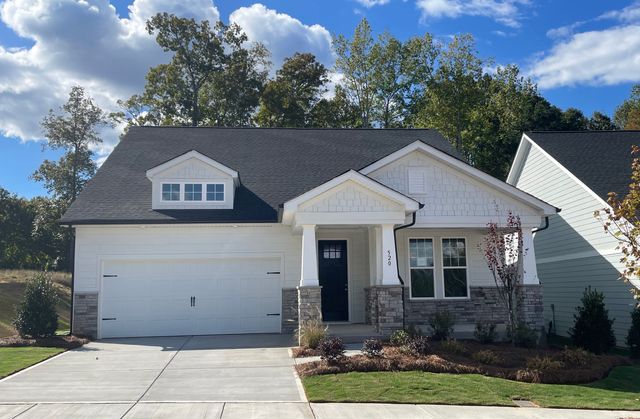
332	269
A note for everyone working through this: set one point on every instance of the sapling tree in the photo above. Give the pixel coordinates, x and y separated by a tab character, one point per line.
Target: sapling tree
502	247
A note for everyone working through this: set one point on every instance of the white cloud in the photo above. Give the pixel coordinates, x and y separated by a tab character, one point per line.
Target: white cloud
564	31
602	57
506	12
283	35
628	14
371	3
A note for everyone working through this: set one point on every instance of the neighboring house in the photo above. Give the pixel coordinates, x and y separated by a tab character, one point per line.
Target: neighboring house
223	230
576	171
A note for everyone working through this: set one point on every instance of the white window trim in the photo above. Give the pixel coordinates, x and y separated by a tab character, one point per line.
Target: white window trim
180	192
433	268
204	192
466	266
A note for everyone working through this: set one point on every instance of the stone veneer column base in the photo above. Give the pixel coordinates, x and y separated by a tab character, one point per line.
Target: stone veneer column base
383	308
530	306
309	305
85	314
289	310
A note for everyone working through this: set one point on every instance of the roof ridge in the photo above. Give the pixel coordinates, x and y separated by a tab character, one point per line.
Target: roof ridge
586	131
285	128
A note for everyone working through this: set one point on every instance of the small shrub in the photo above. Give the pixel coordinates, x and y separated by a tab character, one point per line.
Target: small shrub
372	348
399	338
418	346
442	324
575	357
592	329
312	333
413	331
524	336
36	314
541	363
487	357
485	332
455	347
331	349
633	338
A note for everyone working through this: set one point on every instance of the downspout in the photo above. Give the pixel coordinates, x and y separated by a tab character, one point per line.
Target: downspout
395	242
546	225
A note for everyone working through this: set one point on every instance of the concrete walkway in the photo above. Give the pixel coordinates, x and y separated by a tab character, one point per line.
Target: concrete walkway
290	410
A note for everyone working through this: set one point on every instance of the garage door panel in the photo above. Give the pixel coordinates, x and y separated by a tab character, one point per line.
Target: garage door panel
152	297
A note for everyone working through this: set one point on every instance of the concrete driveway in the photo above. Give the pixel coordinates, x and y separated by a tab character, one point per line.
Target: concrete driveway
165	369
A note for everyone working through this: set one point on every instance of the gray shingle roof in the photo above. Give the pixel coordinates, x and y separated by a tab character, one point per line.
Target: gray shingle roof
274	165
600	159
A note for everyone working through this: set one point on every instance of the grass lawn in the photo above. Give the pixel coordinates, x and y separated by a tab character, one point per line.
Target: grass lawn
12	284
620	390
15	359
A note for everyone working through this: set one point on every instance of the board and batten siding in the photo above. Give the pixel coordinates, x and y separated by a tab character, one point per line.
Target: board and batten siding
574	252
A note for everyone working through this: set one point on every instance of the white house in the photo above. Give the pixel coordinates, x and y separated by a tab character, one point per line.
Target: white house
247	230
576	171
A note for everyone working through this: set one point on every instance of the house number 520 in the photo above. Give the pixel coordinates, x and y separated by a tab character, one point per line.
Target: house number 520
389	257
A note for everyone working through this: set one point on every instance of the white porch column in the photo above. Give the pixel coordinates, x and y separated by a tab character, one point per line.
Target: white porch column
309	277
529	268
389	260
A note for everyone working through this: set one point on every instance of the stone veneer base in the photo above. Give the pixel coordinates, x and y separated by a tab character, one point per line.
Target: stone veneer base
85	314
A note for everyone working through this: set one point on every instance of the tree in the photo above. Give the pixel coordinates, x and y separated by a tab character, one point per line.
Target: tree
600	122
622	221
502	246
336	112
288	100
356	60
74	130
627	115
16	218
574	120
36	315
592	329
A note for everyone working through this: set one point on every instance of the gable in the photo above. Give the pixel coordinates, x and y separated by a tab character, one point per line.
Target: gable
192	169
350	197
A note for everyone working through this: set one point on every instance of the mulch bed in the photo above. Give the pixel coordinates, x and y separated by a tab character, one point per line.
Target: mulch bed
510	363
65	342
304	351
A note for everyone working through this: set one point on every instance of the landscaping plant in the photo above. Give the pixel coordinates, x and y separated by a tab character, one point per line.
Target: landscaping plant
487	357
311	333
331	349
485	332
575	357
372	348
523	336
36	315
543	363
454	346
399	338
419	346
633	338
442	323
592	329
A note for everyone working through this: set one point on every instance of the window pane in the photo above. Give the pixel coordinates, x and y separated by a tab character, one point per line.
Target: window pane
422	283
215	192
455	283
421	253
171	192
454	252
193	192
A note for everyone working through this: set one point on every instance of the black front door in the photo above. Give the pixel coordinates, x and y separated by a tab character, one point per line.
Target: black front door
332	269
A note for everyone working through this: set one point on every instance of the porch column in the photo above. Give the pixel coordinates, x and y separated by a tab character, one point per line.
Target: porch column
529	268
309	277
389	260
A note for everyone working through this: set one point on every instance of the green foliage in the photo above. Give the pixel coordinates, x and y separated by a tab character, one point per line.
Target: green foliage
592	329
523	336
399	337
36	315
441	324
633	337
413	330
311	333
337	112
600	122
627	115
487	357
485	332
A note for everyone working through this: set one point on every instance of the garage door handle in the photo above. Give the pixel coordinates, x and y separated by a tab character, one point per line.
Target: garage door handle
108	318
273	314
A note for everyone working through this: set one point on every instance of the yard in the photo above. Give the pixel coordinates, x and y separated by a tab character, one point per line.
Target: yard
18	358
620	390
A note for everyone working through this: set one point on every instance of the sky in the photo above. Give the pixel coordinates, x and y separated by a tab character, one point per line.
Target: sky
584	54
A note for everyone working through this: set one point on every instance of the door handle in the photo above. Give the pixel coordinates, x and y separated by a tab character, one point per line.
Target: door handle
194	301
273	314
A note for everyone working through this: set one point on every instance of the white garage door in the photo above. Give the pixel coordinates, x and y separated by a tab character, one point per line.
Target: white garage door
165	297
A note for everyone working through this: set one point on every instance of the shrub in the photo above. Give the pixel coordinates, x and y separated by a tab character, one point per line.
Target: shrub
524	336
413	331
442	323
36	314
372	348
592	329
575	357
543	363
331	349
485	332
487	357
453	346
418	346
633	338
311	333
399	338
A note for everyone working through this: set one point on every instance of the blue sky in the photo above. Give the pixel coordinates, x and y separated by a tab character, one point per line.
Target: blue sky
584	54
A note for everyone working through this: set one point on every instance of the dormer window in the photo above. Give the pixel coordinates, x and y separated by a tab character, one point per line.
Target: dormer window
170	191
193	192
215	192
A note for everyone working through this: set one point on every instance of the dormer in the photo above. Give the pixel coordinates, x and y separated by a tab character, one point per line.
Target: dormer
192	181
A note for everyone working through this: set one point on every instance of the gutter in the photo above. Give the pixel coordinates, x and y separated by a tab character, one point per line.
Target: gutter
546	225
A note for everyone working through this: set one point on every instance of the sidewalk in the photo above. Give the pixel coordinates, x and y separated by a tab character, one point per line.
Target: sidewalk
289	410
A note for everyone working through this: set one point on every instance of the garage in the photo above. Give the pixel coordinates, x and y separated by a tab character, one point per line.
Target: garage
157	296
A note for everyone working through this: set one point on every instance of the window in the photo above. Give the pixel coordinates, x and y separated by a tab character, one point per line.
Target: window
215	192
332	251
170	191
421	266
193	192
454	267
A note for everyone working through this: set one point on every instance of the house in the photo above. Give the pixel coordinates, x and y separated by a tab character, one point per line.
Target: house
248	230
576	171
